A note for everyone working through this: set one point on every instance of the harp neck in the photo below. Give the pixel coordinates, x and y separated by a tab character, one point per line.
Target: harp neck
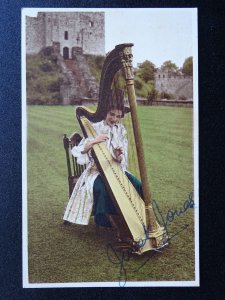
127	68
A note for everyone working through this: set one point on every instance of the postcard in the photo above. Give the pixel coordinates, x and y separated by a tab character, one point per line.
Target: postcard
110	147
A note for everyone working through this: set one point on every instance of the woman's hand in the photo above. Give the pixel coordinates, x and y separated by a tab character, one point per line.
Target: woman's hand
118	153
99	139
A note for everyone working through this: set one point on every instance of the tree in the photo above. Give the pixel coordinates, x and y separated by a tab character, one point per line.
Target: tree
188	66
169	66
146	71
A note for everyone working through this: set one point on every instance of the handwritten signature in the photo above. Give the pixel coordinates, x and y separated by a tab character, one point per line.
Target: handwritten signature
120	258
171	214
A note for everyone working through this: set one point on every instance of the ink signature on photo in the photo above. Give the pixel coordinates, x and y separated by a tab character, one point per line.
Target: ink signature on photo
121	258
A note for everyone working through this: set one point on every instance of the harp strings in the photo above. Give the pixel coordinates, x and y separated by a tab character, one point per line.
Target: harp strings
119	83
129	192
132	153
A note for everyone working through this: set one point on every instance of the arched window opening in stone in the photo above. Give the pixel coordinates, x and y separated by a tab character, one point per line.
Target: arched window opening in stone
91	24
66	53
66	35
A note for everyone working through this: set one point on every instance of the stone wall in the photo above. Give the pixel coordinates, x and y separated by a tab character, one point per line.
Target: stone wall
35	39
177	84
77	81
69	87
85	31
178	103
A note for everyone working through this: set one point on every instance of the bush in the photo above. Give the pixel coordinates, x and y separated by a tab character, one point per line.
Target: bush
46	66
30	75
54	86
142	88
40	99
138	83
165	95
43	79
99	60
152	95
47	51
95	63
182	97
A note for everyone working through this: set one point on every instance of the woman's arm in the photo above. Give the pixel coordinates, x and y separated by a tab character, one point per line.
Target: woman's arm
99	139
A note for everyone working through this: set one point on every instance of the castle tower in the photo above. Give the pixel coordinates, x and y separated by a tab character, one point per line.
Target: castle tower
71	31
35	37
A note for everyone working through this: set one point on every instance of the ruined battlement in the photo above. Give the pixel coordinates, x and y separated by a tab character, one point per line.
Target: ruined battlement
82	31
174	83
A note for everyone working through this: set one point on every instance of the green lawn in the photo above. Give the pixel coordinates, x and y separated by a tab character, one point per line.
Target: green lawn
59	253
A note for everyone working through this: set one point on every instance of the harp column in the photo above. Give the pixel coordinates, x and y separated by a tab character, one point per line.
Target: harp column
127	67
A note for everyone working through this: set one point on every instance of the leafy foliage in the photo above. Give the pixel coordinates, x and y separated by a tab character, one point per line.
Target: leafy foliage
169	65
145	88
146	71
95	63
165	95
152	95
138	83
43	79
144	80
188	66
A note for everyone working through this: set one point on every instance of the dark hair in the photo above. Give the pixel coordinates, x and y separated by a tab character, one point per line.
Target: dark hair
115	107
116	101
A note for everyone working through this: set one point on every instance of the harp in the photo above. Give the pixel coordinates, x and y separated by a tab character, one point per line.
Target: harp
136	214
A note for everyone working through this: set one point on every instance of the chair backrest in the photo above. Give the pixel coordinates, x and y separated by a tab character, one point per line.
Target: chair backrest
74	170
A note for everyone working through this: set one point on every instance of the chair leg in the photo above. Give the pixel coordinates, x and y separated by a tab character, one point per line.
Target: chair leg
66	222
115	227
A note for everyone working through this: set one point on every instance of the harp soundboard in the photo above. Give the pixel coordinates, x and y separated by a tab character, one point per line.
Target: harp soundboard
130	204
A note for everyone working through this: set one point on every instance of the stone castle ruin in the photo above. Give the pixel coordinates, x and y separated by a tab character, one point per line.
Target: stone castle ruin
174	83
84	32
70	35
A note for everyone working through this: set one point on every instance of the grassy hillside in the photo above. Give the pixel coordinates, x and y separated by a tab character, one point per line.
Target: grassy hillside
59	253
43	80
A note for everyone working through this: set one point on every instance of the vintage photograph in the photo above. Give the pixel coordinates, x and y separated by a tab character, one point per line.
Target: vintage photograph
110	147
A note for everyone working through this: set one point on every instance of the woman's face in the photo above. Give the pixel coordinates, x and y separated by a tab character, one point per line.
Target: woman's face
113	117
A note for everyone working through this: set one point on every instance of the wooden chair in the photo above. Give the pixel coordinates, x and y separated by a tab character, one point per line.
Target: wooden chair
73	169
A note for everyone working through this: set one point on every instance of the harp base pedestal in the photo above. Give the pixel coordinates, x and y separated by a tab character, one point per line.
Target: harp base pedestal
155	241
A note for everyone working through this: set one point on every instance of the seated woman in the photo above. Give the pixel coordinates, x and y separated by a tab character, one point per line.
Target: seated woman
90	193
